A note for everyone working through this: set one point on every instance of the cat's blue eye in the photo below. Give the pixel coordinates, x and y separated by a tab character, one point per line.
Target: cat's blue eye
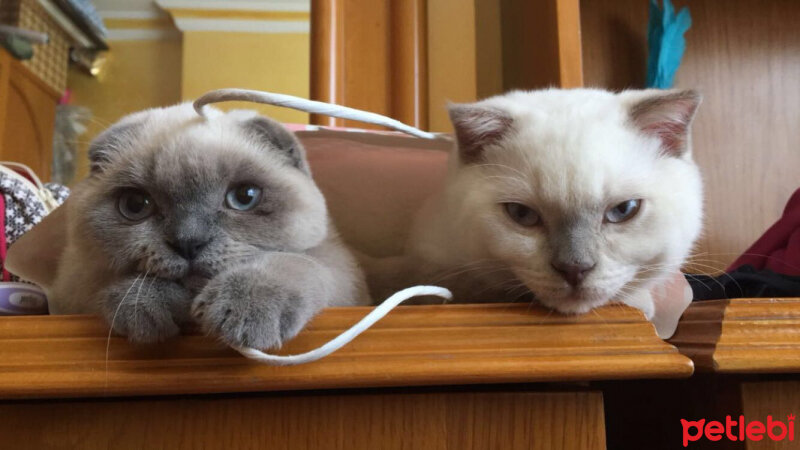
135	204
522	214
624	211
243	197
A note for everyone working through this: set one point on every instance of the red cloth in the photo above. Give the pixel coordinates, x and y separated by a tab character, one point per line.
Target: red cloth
779	248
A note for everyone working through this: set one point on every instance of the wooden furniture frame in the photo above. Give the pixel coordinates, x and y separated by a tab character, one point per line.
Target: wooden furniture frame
442	377
27	116
75	358
753	342
69	356
371	55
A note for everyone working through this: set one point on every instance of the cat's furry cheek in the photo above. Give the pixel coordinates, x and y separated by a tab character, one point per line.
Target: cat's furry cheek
307	222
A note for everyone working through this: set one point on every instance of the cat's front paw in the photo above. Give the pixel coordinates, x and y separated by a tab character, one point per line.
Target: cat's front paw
146	311
244	309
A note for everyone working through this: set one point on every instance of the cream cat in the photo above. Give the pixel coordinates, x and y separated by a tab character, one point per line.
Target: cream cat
578	196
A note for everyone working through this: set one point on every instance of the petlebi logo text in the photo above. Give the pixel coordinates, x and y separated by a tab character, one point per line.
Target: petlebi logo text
739	429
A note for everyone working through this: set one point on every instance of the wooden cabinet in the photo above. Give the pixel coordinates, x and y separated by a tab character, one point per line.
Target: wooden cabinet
442	363
27	115
456	376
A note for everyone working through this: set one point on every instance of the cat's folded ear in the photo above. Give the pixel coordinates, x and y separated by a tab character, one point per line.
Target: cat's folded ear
666	115
109	142
278	138
477	126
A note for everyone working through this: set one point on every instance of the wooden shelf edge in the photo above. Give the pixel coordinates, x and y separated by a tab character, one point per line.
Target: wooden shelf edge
746	335
760	335
71	356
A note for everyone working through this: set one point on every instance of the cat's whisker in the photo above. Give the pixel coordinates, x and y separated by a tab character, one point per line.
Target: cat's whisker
138	296
594	311
550	312
111	327
714	278
460	270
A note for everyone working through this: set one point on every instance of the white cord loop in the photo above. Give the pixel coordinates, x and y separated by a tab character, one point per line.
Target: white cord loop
343	112
309	106
348	335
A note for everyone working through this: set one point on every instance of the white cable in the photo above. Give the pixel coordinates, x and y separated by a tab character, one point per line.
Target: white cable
348	335
343	112
310	106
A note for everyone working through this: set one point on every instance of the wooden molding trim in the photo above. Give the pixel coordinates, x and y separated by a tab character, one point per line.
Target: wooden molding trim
747	335
698	332
71	356
760	335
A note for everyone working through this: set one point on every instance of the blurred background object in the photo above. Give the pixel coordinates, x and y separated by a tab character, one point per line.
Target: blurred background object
69	126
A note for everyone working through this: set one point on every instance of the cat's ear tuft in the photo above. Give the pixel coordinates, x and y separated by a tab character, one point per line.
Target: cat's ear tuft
477	126
668	116
280	139
109	142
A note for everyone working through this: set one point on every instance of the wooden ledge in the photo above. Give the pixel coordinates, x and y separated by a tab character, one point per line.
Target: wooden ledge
65	356
749	335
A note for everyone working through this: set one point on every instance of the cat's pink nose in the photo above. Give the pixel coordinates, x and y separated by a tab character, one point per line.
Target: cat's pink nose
572	272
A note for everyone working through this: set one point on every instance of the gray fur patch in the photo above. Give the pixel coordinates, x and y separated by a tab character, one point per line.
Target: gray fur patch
280	139
109	142
573	243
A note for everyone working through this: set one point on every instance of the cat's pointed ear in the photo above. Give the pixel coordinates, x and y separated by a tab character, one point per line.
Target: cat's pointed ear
667	116
280	139
109	142
477	126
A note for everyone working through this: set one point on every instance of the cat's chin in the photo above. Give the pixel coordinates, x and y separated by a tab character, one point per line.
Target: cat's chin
574	301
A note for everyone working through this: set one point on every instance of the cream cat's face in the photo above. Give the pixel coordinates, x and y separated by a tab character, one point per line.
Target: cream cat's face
587	196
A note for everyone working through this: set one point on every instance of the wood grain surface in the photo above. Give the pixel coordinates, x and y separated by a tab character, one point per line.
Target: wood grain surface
699	331
773	398
541	44
370	55
760	336
753	335
27	116
71	356
454	421
743	55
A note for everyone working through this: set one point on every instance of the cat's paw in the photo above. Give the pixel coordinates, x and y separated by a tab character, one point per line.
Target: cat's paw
245	309
146	311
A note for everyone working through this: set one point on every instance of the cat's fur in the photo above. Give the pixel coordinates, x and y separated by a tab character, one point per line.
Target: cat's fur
570	155
259	276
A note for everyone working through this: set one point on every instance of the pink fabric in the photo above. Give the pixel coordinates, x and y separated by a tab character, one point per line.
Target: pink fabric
373	189
778	249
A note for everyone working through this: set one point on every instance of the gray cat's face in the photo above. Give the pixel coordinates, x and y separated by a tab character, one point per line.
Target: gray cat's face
585	195
175	195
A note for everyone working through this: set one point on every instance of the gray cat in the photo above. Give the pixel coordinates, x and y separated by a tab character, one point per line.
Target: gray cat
213	219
